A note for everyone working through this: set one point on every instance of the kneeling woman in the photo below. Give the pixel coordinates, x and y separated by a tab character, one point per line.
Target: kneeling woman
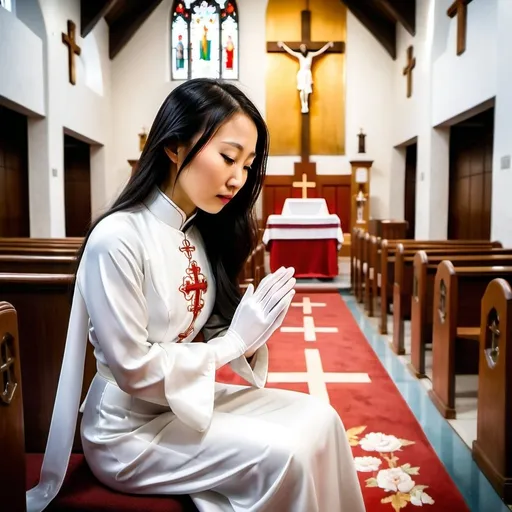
159	268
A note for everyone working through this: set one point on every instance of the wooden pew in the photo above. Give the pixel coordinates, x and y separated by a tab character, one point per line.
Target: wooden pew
12	436
385	275
493	445
457	302
43	305
48	242
405	279
374	259
40	250
353	252
15	263
254	268
361	263
422	300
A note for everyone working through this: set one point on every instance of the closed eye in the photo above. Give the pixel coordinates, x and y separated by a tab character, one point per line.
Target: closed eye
228	160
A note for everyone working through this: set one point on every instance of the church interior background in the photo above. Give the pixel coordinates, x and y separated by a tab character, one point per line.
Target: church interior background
395	125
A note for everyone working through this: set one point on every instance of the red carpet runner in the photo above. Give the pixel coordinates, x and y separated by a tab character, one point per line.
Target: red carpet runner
397	467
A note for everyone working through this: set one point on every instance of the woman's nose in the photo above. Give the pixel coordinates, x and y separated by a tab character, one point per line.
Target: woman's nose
237	178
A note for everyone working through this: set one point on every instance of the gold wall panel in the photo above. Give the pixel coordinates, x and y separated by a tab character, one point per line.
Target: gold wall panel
327	103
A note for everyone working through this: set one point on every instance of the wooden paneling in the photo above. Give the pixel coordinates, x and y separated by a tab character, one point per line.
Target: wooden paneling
14	199
411	154
77	180
327	103
471	145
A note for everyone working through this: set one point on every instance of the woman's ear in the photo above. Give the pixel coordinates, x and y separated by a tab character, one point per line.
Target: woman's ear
172	153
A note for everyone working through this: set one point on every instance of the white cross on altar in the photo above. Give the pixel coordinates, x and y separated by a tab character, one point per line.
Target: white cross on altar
309	329
315	376
306	305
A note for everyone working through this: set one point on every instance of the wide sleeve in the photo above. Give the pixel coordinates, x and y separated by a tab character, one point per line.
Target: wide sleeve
255	372
110	278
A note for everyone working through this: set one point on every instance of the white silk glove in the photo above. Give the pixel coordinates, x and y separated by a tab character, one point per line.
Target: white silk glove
258	315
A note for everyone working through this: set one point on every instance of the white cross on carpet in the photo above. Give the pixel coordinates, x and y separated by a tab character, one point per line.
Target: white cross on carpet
306	305
309	329
315	376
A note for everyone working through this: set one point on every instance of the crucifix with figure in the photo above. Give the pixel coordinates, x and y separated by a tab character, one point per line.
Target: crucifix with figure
305	50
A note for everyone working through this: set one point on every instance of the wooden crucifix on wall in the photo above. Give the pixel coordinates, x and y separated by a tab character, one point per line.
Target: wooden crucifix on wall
73	49
305	50
459	8
411	64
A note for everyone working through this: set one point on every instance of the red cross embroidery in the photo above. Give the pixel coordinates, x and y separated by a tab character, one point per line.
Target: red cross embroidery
187	248
193	287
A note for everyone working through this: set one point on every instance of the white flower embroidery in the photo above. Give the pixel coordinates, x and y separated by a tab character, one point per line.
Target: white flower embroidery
395	479
367	464
418	498
379	442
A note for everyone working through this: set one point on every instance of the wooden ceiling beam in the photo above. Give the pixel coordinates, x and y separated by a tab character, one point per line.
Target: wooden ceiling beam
402	11
123	29
92	11
383	29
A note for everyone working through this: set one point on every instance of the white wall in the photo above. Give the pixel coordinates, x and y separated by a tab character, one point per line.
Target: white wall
21	64
460	83
34	67
501	214
369	88
77	110
446	87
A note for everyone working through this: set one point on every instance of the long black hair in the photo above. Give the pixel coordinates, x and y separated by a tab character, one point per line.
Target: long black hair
201	106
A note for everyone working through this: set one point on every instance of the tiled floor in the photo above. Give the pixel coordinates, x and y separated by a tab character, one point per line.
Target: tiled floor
451	439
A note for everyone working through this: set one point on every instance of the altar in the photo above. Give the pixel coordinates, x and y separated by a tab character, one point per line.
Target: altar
305	236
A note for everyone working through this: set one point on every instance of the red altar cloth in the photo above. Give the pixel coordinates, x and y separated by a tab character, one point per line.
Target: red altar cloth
312	258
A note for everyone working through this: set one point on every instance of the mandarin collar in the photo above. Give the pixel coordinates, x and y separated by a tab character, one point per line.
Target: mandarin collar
166	210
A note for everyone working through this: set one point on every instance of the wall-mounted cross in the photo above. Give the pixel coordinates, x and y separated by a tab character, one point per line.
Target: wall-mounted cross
73	49
459	8
411	64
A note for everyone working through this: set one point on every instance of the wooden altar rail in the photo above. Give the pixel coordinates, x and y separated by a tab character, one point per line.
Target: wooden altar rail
455	343
492	449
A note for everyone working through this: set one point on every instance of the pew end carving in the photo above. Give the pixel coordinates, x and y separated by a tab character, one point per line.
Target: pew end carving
492	448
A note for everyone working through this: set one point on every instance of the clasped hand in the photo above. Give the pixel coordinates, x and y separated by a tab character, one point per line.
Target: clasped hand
257	317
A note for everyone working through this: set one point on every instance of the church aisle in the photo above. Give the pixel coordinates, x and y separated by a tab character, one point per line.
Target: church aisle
321	350
449	447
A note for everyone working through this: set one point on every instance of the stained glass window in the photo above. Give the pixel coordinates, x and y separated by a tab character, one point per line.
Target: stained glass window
204	39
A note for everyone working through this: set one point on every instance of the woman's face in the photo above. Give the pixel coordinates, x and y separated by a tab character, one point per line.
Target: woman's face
219	170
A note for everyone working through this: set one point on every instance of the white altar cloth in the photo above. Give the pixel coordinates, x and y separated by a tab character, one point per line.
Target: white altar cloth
303	219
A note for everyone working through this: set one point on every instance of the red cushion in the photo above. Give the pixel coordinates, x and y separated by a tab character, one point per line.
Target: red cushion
82	492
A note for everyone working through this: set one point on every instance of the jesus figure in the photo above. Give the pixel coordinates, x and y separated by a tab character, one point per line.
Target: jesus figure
304	76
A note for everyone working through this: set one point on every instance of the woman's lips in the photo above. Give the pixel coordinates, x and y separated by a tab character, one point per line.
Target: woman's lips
225	199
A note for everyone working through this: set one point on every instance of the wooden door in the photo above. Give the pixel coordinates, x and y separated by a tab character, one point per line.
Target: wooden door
471	150
14	198
411	159
77	186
